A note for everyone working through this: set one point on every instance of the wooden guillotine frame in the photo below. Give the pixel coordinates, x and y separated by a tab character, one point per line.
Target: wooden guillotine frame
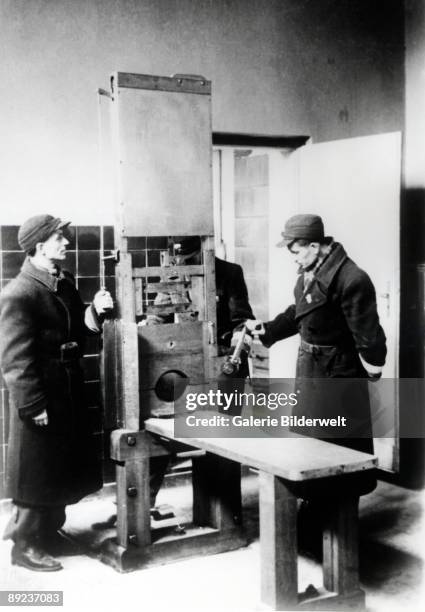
162	163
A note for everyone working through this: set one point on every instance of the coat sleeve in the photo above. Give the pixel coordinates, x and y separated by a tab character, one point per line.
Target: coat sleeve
359	306
18	356
283	326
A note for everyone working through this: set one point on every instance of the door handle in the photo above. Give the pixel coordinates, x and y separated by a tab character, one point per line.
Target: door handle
386	296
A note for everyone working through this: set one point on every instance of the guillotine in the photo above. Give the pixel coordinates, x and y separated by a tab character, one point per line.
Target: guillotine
162	164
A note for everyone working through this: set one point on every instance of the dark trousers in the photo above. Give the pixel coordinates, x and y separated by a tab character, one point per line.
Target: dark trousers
33	525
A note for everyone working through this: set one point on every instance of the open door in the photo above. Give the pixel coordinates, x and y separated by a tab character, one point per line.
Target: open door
354	185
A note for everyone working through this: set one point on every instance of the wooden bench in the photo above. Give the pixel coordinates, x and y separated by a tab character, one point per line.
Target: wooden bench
288	468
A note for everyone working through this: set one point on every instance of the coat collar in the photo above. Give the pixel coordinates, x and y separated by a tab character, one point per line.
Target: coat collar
317	293
42	276
331	265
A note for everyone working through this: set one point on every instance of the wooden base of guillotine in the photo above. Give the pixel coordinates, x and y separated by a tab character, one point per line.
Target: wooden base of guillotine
216	508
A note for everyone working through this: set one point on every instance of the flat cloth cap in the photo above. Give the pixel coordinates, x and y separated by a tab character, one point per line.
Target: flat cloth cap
38	229
302	227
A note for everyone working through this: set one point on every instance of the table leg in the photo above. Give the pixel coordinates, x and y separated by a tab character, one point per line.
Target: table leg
340	546
278	544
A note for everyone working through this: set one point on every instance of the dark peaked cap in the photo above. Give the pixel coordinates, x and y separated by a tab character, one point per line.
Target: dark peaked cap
38	229
302	227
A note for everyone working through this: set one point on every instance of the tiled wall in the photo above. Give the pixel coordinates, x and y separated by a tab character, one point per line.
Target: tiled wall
83	260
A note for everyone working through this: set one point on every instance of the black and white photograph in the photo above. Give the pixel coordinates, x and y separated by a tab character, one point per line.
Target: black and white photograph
212	304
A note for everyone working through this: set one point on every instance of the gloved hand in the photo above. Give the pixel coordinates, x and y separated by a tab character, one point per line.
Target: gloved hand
41	419
151	320
255	327
103	302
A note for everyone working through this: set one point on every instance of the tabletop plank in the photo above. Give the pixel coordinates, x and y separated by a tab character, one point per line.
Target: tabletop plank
295	458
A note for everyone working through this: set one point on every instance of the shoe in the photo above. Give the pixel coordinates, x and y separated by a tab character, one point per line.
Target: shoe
34	559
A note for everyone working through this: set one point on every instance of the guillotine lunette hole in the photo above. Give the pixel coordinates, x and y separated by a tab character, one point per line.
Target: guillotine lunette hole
171	385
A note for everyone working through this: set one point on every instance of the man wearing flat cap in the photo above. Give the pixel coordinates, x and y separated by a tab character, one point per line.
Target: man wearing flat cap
43	322
341	338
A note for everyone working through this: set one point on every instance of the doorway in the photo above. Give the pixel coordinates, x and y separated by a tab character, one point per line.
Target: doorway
355	185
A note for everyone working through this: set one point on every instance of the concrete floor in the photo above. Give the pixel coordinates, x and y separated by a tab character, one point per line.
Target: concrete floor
391	551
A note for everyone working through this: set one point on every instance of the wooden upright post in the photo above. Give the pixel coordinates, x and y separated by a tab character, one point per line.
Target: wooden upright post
216	492
340	546
278	543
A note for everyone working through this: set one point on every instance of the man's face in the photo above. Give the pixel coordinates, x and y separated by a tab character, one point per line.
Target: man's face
54	248
305	255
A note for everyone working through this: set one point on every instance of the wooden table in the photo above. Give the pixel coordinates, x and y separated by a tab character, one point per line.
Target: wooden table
288	468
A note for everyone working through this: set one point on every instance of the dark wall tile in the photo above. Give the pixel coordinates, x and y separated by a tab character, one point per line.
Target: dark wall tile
154	258
88	263
157	242
138	259
70	262
12	263
9	238
87	288
136	243
71	235
88	237
108	237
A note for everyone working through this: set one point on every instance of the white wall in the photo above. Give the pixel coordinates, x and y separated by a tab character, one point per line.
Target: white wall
326	68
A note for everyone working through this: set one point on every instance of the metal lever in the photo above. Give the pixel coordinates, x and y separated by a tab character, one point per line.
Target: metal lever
231	365
115	256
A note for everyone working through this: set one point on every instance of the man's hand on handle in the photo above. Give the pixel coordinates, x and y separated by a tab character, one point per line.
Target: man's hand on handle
103	302
255	327
41	419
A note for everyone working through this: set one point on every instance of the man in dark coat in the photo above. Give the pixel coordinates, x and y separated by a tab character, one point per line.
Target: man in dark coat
43	322
342	344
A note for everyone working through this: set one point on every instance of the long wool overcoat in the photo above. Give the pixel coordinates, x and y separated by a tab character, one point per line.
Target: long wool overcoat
337	319
54	464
